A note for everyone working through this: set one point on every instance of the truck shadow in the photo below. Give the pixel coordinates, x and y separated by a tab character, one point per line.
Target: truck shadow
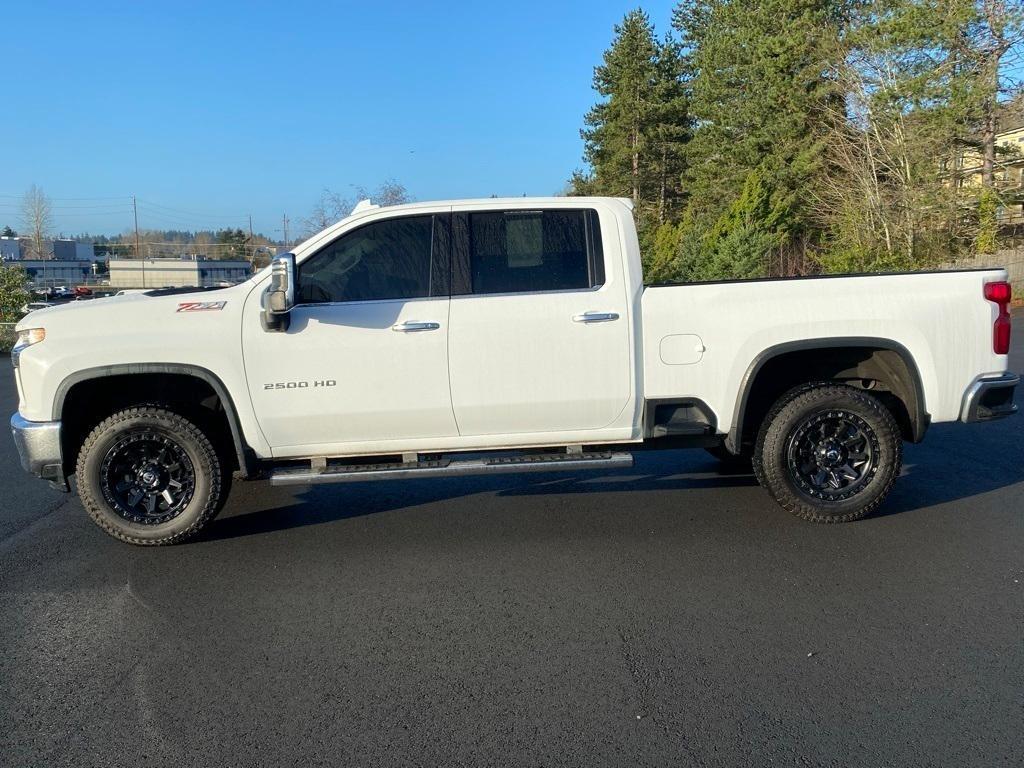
957	462
954	463
330	503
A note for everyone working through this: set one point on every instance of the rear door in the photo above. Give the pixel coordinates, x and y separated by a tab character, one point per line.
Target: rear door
539	337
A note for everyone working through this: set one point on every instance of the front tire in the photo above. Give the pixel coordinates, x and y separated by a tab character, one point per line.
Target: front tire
149	476
828	453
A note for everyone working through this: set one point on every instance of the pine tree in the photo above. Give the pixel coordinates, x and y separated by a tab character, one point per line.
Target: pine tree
616	132
669	131
636	136
762	86
743	239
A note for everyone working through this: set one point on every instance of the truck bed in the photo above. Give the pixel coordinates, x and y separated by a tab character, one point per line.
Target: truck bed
705	338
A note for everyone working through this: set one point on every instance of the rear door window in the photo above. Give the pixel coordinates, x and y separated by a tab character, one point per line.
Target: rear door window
529	251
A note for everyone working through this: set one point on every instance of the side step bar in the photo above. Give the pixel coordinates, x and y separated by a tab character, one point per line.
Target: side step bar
544	462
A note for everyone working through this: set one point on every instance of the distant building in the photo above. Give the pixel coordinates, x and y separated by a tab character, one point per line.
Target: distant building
10	249
176	273
15	248
1007	173
47	273
70	250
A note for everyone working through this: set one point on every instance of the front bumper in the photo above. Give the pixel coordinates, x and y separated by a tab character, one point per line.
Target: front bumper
39	447
990	398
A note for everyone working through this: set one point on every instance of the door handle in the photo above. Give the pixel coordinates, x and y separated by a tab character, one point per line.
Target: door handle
595	317
412	325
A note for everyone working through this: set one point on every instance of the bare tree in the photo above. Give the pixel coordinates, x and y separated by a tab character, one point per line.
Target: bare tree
332	206
329	209
885	201
388	193
37	221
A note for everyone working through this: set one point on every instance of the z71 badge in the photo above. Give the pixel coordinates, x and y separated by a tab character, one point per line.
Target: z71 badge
202	306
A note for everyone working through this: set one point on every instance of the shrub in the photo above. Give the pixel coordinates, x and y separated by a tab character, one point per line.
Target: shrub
7	337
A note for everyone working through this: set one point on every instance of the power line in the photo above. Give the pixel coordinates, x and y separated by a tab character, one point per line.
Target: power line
151	216
190	213
155	215
128	203
120	197
110	206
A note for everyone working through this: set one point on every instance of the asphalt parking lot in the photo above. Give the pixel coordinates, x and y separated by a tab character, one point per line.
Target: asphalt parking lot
665	615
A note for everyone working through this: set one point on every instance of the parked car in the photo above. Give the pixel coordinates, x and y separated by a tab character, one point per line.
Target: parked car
82	291
398	341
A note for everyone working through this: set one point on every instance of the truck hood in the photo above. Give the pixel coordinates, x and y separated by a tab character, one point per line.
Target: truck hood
118	314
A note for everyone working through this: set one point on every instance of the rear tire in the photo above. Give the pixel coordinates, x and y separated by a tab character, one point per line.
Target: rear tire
828	453
149	476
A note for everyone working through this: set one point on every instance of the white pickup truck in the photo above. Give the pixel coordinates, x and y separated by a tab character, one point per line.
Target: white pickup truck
485	336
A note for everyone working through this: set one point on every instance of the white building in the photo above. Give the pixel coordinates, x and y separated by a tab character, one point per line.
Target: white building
10	249
176	273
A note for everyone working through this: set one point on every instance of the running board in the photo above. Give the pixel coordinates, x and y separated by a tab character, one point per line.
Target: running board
544	462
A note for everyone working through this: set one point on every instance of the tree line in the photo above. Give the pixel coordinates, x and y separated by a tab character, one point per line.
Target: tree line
798	136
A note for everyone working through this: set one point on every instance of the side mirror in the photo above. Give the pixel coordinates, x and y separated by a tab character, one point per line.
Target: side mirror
279	298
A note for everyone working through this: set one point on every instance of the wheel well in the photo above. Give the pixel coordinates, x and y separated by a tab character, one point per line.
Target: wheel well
888	374
89	402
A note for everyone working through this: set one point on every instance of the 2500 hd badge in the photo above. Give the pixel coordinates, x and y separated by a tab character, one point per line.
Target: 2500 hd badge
301	384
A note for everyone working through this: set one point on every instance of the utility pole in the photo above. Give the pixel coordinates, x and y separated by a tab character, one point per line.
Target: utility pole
138	251
252	248
284	225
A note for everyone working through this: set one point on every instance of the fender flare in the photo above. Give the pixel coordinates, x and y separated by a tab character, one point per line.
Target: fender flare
919	418
246	456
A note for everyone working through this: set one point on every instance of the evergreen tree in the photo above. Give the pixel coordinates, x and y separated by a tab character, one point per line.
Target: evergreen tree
763	84
669	130
988	222
636	136
13	293
617	128
235	241
744	238
788	136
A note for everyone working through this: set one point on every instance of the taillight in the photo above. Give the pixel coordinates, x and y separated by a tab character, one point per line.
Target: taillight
1000	294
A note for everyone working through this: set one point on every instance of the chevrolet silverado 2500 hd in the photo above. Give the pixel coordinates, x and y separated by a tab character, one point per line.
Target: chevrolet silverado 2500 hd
487	336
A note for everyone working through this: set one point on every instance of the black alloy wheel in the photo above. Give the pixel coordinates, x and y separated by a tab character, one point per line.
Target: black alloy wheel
832	455
147	478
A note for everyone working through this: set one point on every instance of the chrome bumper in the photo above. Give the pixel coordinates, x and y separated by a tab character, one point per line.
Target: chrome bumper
39	447
990	398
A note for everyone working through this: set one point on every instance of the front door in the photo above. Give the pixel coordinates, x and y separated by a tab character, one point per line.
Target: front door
365	356
540	330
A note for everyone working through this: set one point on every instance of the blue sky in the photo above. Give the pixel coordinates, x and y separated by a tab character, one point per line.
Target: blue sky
209	112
